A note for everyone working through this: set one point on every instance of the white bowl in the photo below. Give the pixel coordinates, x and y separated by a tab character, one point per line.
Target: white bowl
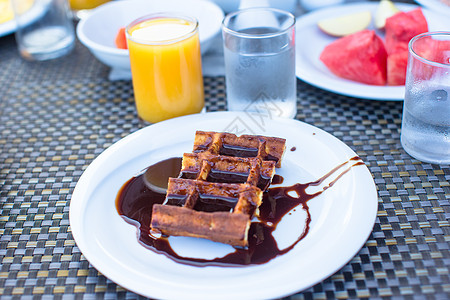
98	30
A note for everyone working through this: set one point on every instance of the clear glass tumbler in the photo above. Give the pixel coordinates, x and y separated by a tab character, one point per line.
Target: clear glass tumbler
44	30
259	48
425	133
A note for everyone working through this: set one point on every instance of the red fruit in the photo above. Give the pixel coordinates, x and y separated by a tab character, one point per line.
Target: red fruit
121	39
402	27
444	50
444	57
432	49
396	67
360	57
417	16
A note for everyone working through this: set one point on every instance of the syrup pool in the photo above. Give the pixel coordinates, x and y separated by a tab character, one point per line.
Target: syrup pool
136	198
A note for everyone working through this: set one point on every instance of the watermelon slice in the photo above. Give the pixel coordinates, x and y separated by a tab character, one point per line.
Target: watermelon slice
417	16
360	57
433	50
402	27
426	47
396	67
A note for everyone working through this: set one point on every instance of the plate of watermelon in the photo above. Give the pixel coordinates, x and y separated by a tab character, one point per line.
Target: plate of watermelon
441	6
368	64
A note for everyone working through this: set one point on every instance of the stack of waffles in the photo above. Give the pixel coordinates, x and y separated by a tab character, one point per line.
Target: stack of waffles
220	187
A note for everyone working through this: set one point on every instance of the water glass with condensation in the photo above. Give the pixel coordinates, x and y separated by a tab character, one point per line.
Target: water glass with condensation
425	133
259	49
45	28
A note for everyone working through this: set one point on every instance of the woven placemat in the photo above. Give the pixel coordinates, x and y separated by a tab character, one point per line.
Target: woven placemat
56	118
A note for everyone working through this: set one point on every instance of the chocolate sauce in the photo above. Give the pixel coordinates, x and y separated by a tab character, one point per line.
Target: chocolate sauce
211	204
227	177
237	151
231	150
135	200
156	176
277	179
293	148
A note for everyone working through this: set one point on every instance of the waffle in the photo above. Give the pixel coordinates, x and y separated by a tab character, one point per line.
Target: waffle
219	188
227	169
266	148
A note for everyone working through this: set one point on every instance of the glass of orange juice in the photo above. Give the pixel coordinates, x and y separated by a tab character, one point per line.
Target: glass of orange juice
165	66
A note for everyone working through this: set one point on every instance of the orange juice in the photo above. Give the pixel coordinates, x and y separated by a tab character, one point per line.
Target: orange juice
165	66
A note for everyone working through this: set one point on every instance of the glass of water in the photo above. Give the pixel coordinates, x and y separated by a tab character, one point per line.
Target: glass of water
259	49
425	131
44	28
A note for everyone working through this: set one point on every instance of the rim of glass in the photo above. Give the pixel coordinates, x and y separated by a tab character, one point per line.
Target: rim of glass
423	59
257	35
161	15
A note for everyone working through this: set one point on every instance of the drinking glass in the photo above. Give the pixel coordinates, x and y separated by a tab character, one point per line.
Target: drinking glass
259	49
165	66
44	30
425	133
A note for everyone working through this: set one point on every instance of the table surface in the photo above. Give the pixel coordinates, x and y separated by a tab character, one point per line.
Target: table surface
57	116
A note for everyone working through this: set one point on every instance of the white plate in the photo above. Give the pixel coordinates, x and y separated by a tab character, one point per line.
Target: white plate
10	26
7	27
436	5
310	41
342	217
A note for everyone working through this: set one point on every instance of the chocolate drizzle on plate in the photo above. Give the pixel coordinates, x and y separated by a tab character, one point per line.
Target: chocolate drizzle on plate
136	198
